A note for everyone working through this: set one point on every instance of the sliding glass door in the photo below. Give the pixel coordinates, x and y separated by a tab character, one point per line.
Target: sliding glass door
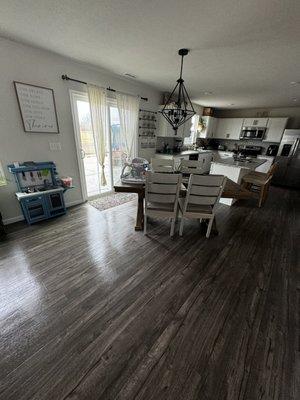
86	151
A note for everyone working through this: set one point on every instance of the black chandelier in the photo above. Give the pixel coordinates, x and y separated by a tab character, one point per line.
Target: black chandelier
180	111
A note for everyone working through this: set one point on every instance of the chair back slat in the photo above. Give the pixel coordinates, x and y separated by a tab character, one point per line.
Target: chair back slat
208	180
161	198
202	200
162	188
205	190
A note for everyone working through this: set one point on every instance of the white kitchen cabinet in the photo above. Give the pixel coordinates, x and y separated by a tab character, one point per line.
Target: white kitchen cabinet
255	122
228	128
210	127
275	128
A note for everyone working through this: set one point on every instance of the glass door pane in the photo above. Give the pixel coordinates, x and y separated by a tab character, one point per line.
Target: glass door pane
118	154
91	165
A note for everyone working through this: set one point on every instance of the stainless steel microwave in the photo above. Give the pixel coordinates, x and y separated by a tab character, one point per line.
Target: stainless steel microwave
252	133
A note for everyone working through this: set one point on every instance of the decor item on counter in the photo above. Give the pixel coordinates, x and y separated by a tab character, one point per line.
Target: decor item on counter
37	108
40	192
201	125
207	112
180	111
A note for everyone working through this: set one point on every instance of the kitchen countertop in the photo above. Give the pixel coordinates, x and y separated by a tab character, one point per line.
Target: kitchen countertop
185	153
253	164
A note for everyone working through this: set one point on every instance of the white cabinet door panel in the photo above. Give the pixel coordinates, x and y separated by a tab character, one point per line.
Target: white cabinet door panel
229	128
275	129
255	122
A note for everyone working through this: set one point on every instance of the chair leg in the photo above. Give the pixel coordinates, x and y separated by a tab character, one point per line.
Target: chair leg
209	227
261	196
181	226
145	224
172	227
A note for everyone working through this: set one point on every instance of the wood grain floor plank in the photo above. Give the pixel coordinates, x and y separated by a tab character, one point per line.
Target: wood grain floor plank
91	309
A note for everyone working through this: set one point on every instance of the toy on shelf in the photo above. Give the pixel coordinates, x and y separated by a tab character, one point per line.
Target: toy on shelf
40	190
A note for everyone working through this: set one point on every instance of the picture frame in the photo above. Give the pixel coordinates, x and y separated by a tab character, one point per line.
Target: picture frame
37	108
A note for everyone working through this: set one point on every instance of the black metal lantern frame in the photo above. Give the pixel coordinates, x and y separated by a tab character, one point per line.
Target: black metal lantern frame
180	111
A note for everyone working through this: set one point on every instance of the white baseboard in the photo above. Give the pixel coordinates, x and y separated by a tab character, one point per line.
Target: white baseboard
74	203
19	218
12	220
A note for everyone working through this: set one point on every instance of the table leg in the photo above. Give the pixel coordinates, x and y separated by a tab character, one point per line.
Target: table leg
140	213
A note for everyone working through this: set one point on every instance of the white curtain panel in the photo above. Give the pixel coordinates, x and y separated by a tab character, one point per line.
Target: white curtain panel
128	107
98	106
2	176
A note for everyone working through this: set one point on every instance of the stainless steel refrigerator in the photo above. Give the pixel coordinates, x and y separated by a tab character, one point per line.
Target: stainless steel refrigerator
287	172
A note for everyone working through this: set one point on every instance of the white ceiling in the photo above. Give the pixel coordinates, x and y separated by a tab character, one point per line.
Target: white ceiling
245	52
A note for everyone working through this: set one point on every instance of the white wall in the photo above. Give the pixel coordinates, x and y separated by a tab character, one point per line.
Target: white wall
292	112
31	65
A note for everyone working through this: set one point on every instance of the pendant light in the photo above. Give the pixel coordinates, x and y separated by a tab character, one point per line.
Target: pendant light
180	111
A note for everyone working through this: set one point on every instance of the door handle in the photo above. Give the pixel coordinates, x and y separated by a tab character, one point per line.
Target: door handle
82	153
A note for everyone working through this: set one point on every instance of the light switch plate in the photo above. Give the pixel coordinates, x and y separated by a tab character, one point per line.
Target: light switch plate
55	146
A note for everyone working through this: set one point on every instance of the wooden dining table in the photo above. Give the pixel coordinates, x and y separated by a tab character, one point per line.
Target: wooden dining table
231	190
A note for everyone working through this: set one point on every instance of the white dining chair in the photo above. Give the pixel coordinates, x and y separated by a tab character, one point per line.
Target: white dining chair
162	164
161	197
203	193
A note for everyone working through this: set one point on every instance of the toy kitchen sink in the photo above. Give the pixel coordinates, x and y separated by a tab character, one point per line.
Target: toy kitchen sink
40	191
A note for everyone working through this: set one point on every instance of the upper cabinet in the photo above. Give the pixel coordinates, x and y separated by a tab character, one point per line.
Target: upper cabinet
261	122
228	128
209	127
275	128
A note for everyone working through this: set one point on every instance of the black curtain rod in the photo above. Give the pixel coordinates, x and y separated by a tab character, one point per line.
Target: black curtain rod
66	78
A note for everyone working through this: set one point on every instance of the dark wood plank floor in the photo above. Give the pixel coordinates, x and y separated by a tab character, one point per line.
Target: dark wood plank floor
91	309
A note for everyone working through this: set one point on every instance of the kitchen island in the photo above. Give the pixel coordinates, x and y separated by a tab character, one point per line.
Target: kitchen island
234	170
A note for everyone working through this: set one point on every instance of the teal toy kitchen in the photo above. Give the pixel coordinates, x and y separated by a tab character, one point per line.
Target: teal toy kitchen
40	190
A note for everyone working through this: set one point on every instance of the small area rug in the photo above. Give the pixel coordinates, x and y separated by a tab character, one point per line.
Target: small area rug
112	200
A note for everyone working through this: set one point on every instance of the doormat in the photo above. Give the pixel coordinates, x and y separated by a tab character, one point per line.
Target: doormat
112	200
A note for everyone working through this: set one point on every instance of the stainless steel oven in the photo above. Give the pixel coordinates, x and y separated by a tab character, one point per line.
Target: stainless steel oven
252	133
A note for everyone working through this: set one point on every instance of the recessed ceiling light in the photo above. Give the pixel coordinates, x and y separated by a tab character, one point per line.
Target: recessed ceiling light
206	92
295	83
295	99
231	104
130	75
